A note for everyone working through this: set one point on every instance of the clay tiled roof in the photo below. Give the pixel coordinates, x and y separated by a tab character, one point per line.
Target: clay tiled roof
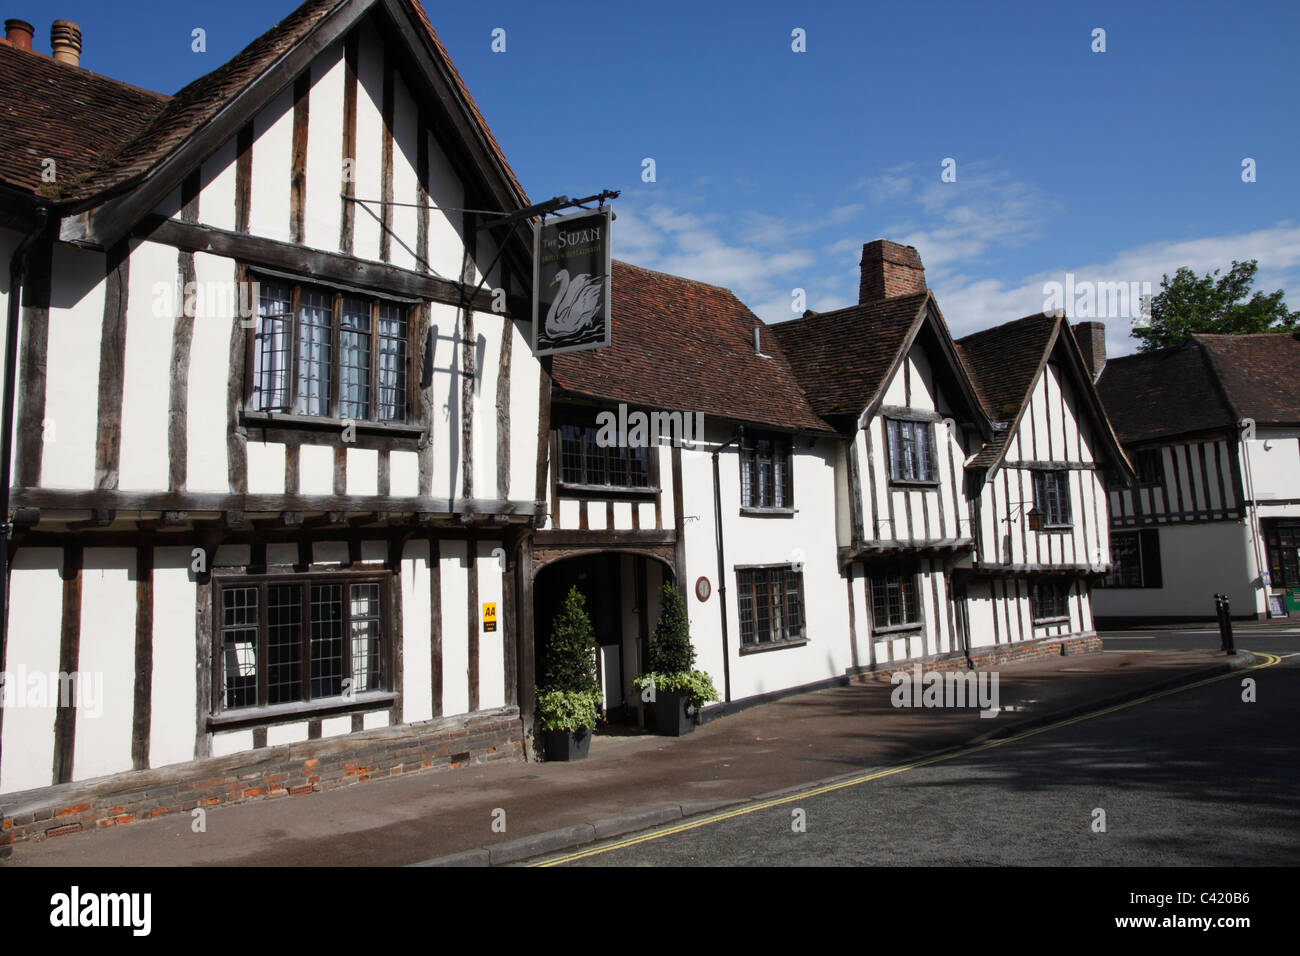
681	345
1260	374
137	130
842	357
62	112
1003	363
1210	383
1004	360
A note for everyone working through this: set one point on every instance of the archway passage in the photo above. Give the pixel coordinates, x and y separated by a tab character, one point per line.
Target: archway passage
622	592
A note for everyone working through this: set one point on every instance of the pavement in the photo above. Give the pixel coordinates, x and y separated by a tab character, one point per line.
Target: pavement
505	812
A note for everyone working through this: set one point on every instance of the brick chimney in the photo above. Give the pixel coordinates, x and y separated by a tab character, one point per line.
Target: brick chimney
889	270
1091	337
19	33
65	42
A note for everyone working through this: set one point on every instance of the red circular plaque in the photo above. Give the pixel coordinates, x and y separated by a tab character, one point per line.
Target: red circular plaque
703	588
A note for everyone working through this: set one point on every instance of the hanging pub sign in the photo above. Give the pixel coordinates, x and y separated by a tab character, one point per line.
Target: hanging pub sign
571	283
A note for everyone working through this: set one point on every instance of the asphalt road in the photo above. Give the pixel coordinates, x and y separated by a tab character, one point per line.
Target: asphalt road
1275	637
1194	777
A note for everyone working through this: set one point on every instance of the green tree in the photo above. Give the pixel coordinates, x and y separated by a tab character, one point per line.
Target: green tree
570	660
670	647
1188	303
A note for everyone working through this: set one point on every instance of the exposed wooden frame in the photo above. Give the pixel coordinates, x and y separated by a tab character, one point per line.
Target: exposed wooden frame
112	366
178	399
65	717
298	169
381	278
142	707
29	438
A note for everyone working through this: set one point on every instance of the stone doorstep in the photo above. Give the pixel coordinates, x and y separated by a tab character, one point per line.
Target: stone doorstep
235	778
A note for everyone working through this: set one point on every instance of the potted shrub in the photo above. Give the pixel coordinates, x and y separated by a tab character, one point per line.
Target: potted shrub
674	688
568	699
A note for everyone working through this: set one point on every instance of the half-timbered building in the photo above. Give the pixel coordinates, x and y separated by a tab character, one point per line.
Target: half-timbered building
275	430
1213	429
1038	488
741	493
293	502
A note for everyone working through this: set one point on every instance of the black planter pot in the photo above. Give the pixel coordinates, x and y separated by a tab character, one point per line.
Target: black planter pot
674	714
562	745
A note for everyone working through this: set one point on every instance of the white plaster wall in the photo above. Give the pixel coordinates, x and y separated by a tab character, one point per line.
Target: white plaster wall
146	380
206	423
107	653
330	552
406	134
316	470
445	392
290	733
362	471
335	726
35	615
417	692
369	141
525	373
455	625
808	536
491	646
488	326
231	742
403	474
217	187
172	707
1197	561
268	203
980	611
72	368
265	468
1275	471
446	249
322	212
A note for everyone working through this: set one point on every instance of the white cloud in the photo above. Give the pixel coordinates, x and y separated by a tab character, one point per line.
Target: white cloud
763	257
971	303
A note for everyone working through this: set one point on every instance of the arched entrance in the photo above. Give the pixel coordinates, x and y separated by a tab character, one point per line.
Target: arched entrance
622	592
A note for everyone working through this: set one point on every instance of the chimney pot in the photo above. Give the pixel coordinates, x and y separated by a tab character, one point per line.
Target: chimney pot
65	42
889	270
20	33
1091	337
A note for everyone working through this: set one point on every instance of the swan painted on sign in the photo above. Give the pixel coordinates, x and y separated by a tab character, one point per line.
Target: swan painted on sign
575	305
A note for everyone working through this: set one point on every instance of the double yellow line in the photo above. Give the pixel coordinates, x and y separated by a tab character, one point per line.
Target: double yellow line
1269	660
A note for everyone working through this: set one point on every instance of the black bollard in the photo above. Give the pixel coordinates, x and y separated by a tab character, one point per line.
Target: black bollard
1227	628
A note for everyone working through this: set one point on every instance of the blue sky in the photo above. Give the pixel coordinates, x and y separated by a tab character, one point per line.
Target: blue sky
773	167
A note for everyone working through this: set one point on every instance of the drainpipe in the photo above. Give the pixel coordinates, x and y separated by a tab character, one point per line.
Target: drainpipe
17	270
1252	514
722	565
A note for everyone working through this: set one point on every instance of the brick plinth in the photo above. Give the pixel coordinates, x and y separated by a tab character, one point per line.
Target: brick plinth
264	774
